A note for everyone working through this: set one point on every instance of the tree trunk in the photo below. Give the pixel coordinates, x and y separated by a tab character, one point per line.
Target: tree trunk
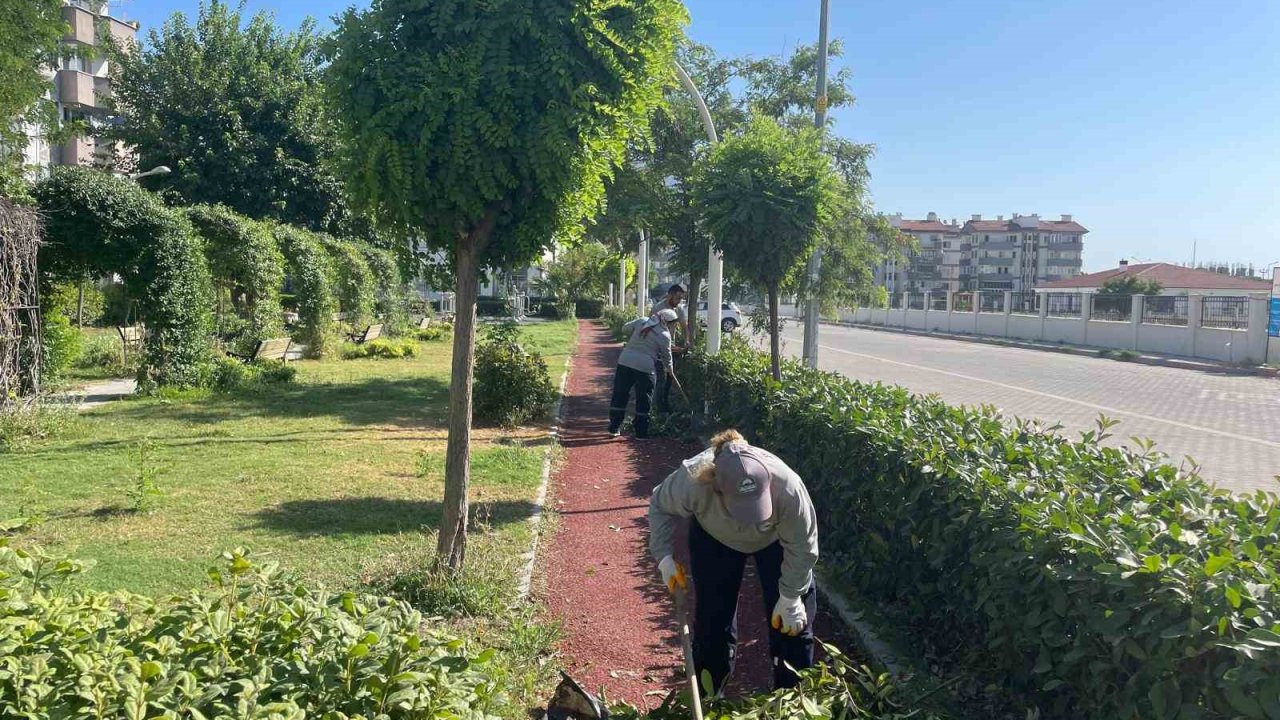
452	546
774	349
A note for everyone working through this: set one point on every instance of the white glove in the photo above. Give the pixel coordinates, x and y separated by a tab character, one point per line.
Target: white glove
789	616
673	574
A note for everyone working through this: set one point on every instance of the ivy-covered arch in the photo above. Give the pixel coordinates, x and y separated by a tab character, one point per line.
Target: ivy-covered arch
311	273
353	280
100	224
247	268
390	297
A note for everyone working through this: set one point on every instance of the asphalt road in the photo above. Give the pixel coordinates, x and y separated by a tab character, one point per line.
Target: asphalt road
1230	424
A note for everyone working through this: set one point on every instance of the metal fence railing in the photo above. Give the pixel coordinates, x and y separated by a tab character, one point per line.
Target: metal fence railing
991	302
1224	313
962	302
1064	304
915	301
1113	308
895	301
1165	309
1024	303
937	301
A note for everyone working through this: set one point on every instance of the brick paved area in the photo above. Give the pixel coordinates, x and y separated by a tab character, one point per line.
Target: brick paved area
1230	424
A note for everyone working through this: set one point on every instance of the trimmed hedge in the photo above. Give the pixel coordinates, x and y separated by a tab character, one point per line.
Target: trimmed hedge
1100	582
243	255
391	299
257	645
353	281
312	273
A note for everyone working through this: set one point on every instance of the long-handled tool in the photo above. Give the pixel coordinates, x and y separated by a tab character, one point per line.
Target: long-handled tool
675	380
686	644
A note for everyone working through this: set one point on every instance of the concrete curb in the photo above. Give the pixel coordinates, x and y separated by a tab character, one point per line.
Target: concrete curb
540	499
1155	360
881	652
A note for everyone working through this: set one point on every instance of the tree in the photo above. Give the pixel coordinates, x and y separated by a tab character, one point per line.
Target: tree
1128	284
581	272
765	195
28	45
236	110
485	130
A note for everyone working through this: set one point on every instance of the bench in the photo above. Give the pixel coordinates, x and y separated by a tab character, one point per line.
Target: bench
273	349
131	338
424	322
340	317
373	332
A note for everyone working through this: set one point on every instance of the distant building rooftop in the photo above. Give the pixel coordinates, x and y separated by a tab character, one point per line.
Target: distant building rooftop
1170	277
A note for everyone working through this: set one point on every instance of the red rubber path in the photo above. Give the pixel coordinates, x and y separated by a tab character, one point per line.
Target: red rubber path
618	620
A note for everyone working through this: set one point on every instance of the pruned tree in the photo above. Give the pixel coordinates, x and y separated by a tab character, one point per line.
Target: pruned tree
485	130
579	273
1128	284
765	196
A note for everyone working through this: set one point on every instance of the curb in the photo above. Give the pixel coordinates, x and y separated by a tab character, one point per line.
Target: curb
1154	360
881	652
540	499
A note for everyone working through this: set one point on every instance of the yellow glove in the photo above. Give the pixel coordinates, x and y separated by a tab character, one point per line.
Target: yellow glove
789	616
673	574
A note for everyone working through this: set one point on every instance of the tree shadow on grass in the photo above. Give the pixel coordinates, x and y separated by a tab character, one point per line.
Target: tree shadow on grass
405	402
376	516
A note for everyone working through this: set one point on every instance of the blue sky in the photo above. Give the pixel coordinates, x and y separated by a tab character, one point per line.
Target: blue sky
1155	123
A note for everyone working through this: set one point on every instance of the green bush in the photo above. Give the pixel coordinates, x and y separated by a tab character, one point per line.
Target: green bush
247	265
1099	582
391	299
256	645
353	280
385	348
512	385
615	317
440	331
231	375
62	345
588	309
312	276
103	352
24	423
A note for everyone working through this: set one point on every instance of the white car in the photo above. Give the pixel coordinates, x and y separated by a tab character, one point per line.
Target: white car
730	316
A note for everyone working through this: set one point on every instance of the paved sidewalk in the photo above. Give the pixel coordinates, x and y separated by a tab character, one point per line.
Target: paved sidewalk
101	392
619	632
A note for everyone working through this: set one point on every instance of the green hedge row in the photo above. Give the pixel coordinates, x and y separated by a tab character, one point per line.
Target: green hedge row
257	645
1095	582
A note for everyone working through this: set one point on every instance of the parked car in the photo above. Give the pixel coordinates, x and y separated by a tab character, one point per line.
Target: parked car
730	316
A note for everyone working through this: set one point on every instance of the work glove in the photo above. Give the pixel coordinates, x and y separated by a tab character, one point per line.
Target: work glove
789	616
673	574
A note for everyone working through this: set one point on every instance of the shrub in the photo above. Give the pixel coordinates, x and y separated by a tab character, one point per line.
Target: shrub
385	348
439	331
588	309
231	375
391	300
255	645
353	280
25	422
62	344
615	317
512	385
1101	582
311	274
246	262
100	351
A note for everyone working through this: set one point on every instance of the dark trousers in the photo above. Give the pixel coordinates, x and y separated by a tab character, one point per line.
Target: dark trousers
624	379
717	578
662	390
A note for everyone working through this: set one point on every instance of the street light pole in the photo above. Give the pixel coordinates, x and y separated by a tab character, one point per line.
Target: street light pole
815	260
715	261
160	170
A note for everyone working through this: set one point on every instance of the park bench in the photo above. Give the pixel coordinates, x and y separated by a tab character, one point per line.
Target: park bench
340	317
131	337
424	322
373	332
273	349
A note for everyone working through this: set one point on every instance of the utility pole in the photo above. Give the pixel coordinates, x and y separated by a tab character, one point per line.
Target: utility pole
642	276
715	261
815	261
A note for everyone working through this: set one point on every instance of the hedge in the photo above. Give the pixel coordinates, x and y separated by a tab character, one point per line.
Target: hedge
353	281
311	273
391	299
243	255
1098	582
257	645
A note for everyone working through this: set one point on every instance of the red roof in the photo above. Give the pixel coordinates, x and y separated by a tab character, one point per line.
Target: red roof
1067	226
1174	277
927	226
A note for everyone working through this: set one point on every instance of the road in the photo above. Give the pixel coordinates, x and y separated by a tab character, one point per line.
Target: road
1230	424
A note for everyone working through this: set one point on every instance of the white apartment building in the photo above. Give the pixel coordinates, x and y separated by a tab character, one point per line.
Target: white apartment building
1015	254
80	86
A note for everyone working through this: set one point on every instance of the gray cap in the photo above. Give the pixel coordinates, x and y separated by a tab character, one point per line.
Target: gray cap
743	480
667	315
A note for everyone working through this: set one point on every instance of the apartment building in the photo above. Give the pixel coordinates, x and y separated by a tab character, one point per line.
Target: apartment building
1015	254
80	86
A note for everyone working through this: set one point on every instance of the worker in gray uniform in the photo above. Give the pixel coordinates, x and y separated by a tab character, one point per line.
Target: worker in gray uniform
742	502
673	300
645	355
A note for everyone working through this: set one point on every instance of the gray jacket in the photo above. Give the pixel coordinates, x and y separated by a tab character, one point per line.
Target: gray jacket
645	349
794	523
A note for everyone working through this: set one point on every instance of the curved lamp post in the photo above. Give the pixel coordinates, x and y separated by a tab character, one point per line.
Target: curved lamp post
160	170
715	261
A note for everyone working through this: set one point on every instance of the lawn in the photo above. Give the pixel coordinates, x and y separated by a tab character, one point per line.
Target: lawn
334	476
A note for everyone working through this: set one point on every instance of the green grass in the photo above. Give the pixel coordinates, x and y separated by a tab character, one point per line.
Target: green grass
327	475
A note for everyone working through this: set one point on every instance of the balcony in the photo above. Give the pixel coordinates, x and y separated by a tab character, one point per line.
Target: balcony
1000	245
125	34
997	262
1063	246
76	151
1064	262
101	90
81	24
76	88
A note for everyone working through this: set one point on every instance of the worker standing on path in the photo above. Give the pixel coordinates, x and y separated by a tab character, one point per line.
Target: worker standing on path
673	300
646	355
742	501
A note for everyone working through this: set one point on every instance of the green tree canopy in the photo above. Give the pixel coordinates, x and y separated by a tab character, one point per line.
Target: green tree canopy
486	130
28	44
765	195
579	273
235	108
1128	284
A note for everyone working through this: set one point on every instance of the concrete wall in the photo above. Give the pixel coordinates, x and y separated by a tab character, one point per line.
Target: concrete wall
1188	340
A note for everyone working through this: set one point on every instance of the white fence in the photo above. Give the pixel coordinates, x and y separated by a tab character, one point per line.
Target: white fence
1168	325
